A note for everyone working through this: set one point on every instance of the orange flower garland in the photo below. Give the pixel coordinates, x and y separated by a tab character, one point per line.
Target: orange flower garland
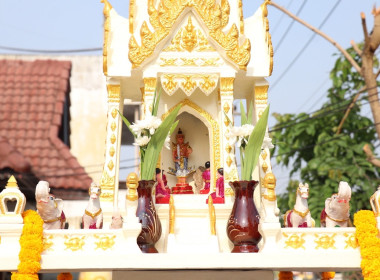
366	234
328	275
285	275
31	242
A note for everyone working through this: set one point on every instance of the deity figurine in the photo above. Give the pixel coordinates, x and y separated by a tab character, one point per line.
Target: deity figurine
181	153
206	175
218	195
162	192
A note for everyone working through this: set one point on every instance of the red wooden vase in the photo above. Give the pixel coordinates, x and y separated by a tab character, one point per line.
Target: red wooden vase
146	212
243	224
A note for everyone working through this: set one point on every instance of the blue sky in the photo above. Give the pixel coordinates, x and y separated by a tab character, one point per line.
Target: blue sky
78	24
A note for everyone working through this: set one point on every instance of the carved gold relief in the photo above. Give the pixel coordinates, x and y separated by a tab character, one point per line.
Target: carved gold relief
325	241
241	16
207	84
107	181
110	165
113	126
48	243
231	175
210	61
74	243
112	151
189	61
228	149
226	122
294	240
216	159
215	17
351	241
188	83
227	85
228	192
268	38
229	161
104	241
264	166
131	15
168	61
226	107
264	155
113	139
150	85
170	85
261	94
106	12
113	92
107	196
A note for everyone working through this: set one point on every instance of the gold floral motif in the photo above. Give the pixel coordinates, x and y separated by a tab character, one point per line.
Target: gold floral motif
189	61
48	243
227	85
113	126
228	149
150	85
207	85
215	148
74	243
113	139
210	61
226	122
106	12
325	241
294	240
261	94
268	38
188	85
112	151
229	161
231	175
264	155
114	113
351	241
113	93
107	196
110	165
104	241
215	17
228	191
168	62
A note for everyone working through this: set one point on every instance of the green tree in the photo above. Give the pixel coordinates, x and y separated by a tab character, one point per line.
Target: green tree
310	144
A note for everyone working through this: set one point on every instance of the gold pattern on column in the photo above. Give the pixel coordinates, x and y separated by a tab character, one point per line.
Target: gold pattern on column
264	155
207	83
226	122
228	149
113	126
265	167
227	85
170	85
110	165
113	139
113	92
229	161
106	12
112	151
168	61
261	94
131	15
226	107
114	113
150	85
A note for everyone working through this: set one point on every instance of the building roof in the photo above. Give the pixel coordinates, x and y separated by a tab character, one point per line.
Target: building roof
32	95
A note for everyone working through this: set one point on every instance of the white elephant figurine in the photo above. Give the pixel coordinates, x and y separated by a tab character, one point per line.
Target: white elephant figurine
49	208
93	215
337	208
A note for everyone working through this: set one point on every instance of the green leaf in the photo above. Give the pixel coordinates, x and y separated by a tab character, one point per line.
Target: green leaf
253	148
127	123
156	102
243	114
156	143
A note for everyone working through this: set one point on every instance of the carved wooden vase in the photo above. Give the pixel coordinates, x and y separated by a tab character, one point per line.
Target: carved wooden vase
146	212
243	224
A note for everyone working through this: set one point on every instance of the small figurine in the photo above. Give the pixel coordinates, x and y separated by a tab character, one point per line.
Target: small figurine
117	220
198	179
49	207
337	208
300	215
181	153
206	175
218	195
93	216
162	193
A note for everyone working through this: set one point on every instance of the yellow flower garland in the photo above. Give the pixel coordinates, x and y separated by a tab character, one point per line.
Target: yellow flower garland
31	242
366	234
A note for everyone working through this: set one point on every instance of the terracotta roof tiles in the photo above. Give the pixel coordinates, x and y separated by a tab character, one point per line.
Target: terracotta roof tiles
33	95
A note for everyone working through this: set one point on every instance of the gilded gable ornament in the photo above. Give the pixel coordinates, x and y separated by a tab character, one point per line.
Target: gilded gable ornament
215	17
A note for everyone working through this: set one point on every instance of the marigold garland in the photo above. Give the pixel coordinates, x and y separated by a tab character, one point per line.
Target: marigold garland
65	276
285	275
328	275
366	234
31	242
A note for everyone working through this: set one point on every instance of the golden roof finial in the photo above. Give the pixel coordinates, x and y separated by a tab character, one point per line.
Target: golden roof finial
12	183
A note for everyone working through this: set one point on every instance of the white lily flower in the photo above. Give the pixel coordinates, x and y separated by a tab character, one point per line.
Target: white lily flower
142	141
267	143
167	142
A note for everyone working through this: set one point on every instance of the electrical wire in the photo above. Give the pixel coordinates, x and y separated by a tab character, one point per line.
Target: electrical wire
50	51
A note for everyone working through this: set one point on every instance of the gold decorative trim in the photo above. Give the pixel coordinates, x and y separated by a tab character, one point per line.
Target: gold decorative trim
215	133
264	155
351	241
74	243
48	243
104	241
189	61
264	167
107	182
294	240
12	183
171	215
4	196
261	94
114	113
227	86
107	195
113	139
325	241
149	85
215	17
241	15
188	83
226	107
268	37
113	126
228	191
112	151
212	216
229	161
168	61
131	15
110	165
106	11
228	149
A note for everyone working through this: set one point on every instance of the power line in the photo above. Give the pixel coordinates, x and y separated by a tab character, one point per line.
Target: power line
289	27
281	18
314	93
304	47
50	51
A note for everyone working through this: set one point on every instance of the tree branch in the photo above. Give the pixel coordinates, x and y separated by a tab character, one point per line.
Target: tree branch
365	31
375	34
356	48
319	32
370	157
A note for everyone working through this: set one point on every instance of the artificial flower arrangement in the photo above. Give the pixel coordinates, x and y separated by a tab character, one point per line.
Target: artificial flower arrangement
151	133
249	139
